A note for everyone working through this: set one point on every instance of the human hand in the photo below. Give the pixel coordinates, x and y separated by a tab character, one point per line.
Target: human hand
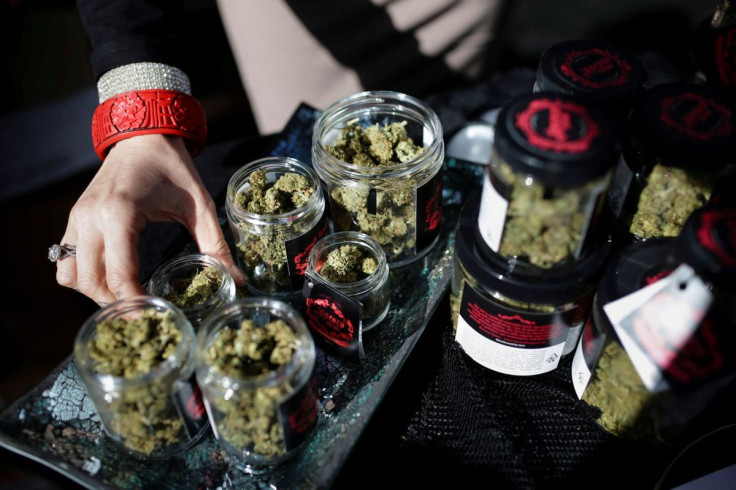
144	179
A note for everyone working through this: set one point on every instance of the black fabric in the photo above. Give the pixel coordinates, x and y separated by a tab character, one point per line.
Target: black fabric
520	432
132	31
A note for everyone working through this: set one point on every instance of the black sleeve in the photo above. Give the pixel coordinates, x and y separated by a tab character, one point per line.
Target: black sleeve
131	31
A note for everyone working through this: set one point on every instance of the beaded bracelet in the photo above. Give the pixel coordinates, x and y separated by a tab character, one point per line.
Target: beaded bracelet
149	112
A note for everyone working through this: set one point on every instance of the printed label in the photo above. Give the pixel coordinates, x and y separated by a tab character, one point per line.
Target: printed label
298	414
492	214
189	403
507	341
557	125
586	356
596	68
297	251
429	211
696	116
335	318
656	324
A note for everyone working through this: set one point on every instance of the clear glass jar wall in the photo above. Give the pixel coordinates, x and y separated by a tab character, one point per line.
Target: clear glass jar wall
397	204
273	249
142	399
260	394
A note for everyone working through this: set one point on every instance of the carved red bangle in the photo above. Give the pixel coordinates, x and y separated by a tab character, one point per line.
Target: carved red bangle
149	112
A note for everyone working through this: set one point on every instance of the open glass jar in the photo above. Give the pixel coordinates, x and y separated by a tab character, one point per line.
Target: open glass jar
549	171
136	359
397	202
353	264
196	283
521	320
275	208
256	367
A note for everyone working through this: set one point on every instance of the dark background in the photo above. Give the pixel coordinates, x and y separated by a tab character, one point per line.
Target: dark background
46	161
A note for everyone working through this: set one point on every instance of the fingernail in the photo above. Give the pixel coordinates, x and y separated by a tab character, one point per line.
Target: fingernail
238	275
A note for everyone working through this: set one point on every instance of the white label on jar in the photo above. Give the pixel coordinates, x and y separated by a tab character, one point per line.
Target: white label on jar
503	358
506	340
581	374
657	321
619	187
492	214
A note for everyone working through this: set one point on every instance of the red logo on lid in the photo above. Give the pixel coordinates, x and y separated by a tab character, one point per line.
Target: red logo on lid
726	220
726	57
596	68
568	129
696	115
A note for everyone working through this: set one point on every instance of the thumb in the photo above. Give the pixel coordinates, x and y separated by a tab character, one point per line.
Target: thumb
210	240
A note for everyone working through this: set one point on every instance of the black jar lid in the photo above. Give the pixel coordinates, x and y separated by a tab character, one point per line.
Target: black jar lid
556	138
566	283
591	69
708	244
714	49
687	123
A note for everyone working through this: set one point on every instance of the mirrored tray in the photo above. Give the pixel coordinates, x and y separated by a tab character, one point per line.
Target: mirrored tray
56	424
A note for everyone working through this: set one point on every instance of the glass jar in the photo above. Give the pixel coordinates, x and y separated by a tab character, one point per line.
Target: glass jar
149	404
263	416
592	70
196	283
549	171
656	356
370	290
397	204
680	138
517	320
272	249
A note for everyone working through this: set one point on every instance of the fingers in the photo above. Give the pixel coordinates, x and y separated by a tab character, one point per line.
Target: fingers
121	261
209	237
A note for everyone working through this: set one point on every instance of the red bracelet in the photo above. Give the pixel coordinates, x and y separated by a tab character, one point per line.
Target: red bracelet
149	112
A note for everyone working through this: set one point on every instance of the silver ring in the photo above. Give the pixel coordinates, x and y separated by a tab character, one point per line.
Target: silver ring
60	252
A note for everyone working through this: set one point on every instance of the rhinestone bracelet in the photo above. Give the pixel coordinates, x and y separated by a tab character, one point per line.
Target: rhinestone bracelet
142	76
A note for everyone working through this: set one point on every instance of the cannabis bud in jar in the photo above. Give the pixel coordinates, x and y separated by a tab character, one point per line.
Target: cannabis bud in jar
380	154
255	363
656	354
275	209
196	283
550	168
136	359
348	264
680	138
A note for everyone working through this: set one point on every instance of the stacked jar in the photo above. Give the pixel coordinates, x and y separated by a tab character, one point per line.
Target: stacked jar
656	357
528	254
681	138
714	47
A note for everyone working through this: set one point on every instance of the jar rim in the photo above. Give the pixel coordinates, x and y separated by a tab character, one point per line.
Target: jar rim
183	354
227	285
377	102
305	354
366	242
273	163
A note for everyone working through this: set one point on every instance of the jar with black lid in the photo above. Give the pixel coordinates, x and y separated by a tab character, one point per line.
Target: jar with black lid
714	47
518	320
656	358
549	170
592	70
680	138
